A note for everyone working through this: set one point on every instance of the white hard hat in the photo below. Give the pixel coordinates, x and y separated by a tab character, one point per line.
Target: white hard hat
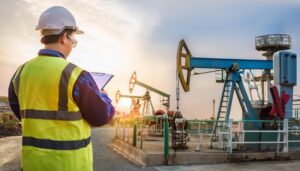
55	19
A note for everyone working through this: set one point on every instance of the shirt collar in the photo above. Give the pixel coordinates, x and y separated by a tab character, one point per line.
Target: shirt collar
50	52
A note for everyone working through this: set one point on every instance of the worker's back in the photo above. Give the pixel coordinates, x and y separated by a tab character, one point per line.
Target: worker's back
54	133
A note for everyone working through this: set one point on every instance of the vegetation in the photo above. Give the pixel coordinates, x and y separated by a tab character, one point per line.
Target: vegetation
3	99
9	125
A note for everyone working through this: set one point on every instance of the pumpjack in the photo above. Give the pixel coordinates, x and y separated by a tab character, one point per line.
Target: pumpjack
135	106
134	81
283	63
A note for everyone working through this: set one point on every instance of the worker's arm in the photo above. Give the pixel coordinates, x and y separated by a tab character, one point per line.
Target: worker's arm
13	100
94	105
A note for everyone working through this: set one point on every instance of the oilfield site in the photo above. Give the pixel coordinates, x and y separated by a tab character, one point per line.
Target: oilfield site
269	128
268	131
177	86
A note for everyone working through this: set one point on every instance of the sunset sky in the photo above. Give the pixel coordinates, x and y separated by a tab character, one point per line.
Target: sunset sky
126	36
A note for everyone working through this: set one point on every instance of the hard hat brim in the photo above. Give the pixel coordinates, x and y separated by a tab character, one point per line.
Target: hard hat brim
77	31
47	32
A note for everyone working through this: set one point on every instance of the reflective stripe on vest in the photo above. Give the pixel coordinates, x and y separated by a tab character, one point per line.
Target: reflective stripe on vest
51	115
64	82
56	145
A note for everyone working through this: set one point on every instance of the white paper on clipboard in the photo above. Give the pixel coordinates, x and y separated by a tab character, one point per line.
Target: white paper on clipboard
101	79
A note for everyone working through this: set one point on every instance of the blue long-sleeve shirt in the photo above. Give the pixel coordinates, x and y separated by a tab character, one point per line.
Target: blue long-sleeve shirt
95	106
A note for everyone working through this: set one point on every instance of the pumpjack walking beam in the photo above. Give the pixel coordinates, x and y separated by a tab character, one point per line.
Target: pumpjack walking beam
191	63
186	63
119	96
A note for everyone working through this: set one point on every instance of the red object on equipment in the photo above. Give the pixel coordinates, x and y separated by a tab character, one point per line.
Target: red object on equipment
170	112
285	97
159	112
278	107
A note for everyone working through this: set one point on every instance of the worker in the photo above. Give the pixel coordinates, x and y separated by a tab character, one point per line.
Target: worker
57	101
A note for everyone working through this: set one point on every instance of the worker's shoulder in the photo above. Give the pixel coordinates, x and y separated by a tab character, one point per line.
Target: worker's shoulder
76	66
46	60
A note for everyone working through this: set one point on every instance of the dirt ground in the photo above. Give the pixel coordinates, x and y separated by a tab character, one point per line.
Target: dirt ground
10	148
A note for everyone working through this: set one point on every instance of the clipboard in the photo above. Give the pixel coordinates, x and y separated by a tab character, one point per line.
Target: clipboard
101	79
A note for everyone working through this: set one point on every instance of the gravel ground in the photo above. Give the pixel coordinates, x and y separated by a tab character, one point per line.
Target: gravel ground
105	158
10	149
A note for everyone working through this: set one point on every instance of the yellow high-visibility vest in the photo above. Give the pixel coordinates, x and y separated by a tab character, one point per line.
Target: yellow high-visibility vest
55	136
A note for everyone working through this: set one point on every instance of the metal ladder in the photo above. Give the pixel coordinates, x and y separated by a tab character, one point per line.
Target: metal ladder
223	108
249	79
224	101
235	83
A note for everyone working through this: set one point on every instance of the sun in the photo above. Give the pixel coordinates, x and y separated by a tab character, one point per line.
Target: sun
124	104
